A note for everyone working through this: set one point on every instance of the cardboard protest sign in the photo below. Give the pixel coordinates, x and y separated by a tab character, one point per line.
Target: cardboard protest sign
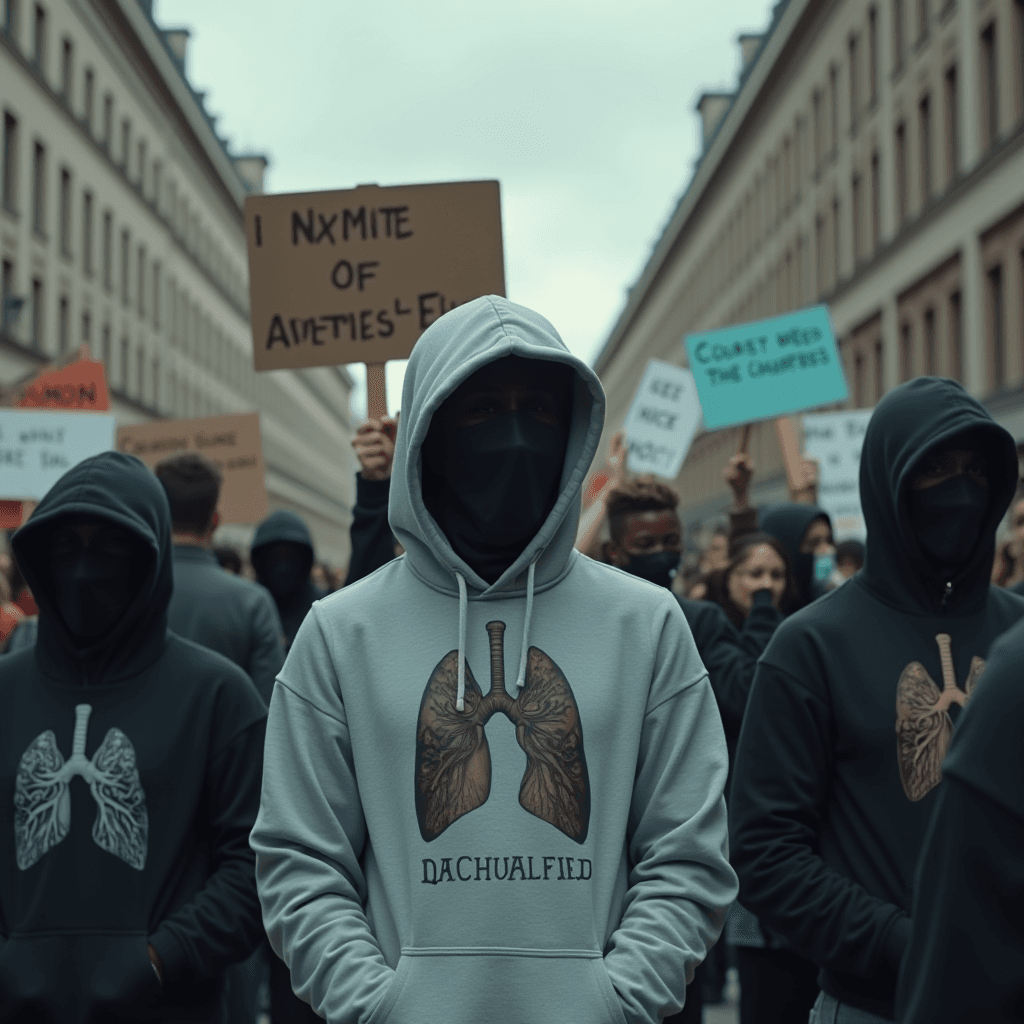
835	440
232	442
357	275
662	420
38	448
79	385
769	368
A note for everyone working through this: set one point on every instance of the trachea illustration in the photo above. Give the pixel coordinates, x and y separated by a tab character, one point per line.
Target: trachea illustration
42	798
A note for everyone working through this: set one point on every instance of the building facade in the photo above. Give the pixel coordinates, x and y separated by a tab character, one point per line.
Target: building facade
121	227
872	159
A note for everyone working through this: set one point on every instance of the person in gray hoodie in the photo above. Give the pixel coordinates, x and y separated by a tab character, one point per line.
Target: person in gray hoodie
431	849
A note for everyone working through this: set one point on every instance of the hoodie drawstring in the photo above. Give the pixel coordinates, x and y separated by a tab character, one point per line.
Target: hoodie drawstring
460	700
521	678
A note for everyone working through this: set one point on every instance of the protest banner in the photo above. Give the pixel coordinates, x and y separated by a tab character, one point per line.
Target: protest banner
38	447
357	275
662	420
766	369
232	442
79	385
835	440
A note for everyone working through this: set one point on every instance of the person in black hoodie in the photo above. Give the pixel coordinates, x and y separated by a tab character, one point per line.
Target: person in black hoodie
805	531
856	695
965	963
130	769
282	556
373	543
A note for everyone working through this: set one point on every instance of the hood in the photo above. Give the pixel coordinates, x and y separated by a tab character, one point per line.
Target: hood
787	523
283	525
120	489
450	350
908	423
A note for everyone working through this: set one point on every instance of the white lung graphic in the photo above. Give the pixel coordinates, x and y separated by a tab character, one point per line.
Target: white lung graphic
42	802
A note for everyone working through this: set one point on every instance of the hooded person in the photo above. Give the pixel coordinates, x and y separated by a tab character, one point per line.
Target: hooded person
855	699
442	840
131	761
805	531
282	557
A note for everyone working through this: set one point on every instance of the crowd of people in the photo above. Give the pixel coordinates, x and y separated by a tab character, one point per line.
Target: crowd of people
252	784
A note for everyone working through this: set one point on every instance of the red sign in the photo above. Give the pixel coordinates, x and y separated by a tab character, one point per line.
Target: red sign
79	385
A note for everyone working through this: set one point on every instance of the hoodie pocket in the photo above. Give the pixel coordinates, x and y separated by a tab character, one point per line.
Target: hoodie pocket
465	986
85	977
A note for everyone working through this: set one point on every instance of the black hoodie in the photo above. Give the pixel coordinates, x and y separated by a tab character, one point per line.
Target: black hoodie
154	848
279	527
965	963
787	523
825	839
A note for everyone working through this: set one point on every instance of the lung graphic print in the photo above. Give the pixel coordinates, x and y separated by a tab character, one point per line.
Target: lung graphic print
923	726
453	761
42	798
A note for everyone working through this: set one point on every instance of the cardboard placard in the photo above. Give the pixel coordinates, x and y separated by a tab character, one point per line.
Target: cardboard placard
232	442
768	368
79	385
357	275
38	447
662	420
835	440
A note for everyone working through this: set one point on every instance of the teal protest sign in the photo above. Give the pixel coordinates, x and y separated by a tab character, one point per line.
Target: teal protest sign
768	368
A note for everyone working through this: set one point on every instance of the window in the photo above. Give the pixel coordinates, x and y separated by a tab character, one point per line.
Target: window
86	327
872	56
108	251
833	109
952	125
7	313
11	19
141	304
819	253
39	189
87	233
901	173
126	141
989	86
63	340
156	296
906	352
819	139
67	66
929	342
857	214
88	99
879	372
39	38
922	19
876	201
156	383
106	353
65	211
140	372
108	121
36	338
996	325
1018	48
836	263
858	381
124	363
10	168
897	32
854	91
142	167
924	109
156	184
956	338
126	245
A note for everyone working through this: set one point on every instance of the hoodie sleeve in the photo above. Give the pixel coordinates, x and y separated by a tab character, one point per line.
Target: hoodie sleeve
782	771
680	884
266	655
373	544
311	886
221	924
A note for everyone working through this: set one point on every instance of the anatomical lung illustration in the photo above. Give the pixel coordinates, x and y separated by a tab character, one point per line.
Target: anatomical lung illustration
42	798
453	761
923	726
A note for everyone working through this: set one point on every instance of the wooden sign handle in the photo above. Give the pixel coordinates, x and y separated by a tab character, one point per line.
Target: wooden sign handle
789	445
376	391
744	439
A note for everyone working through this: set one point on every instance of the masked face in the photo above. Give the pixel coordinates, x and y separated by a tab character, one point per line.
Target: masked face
647	544
97	569
283	568
493	459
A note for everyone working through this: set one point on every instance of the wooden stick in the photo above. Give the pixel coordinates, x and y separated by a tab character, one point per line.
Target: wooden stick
744	439
789	445
376	391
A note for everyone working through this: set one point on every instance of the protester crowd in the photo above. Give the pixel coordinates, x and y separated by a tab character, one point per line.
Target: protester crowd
243	782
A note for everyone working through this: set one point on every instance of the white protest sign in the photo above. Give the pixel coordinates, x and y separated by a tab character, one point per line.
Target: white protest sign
835	439
662	421
37	448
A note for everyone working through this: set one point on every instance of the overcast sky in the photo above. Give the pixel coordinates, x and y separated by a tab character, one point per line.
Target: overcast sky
582	109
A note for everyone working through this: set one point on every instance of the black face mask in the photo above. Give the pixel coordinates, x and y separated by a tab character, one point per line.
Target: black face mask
284	575
657	567
494	485
95	585
948	518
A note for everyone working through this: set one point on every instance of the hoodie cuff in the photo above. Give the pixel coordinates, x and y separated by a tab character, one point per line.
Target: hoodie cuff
895	941
173	958
372	493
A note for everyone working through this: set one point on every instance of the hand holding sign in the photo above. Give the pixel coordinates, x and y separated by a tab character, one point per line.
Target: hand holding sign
662	421
374	445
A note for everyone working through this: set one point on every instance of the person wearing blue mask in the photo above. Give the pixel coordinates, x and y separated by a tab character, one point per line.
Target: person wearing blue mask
806	533
854	702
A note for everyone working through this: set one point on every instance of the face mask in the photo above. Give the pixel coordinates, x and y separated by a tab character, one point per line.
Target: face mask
498	483
822	576
658	567
948	517
283	576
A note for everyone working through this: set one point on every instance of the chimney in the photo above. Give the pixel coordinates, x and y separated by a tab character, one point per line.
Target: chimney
251	168
177	43
712	107
750	43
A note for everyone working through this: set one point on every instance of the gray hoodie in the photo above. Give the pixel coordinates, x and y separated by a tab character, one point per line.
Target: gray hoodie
434	845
